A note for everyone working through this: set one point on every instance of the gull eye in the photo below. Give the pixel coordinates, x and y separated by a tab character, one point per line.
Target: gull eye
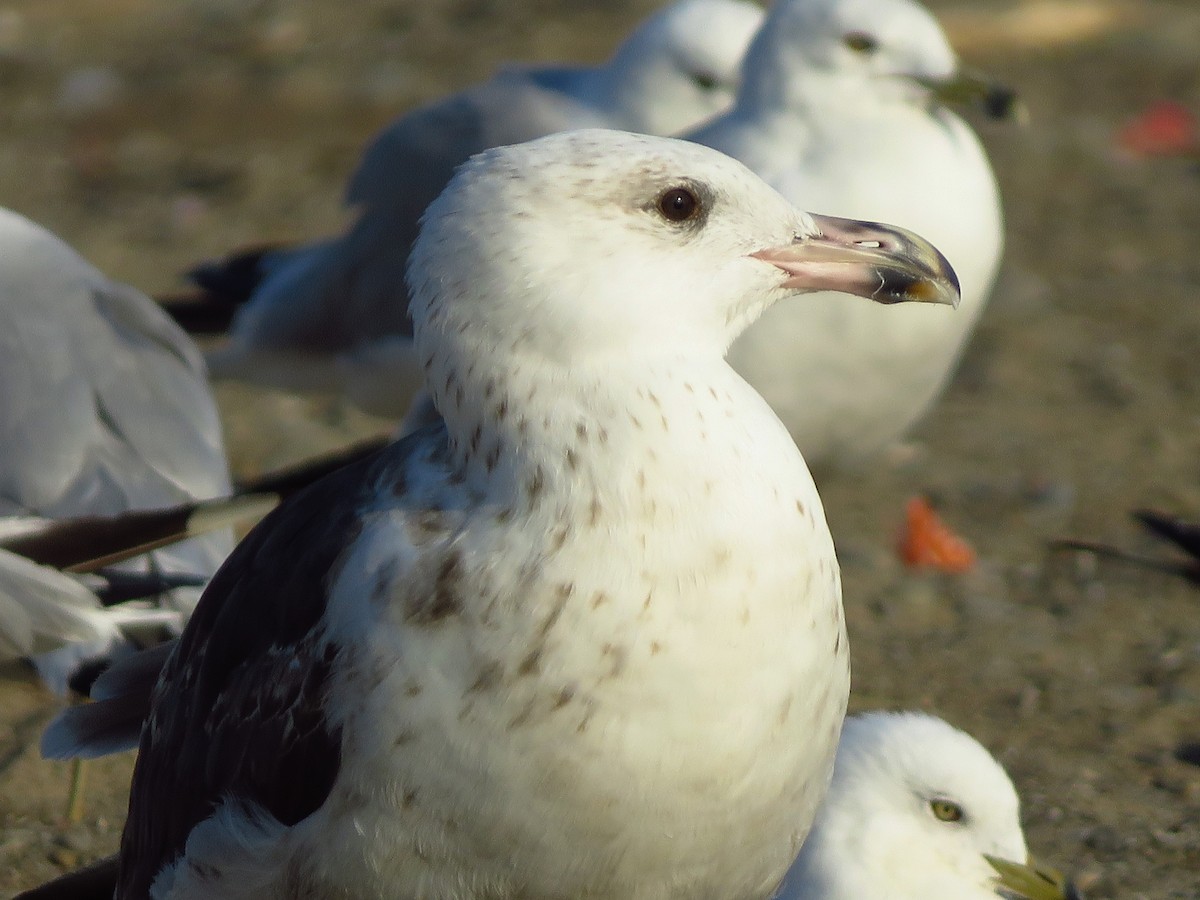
705	81
860	42
679	204
946	810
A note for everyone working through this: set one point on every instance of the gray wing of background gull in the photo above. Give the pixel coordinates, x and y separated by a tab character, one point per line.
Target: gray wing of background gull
104	407
334	315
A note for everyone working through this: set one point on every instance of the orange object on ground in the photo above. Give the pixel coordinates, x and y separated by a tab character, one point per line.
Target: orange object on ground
926	542
1165	128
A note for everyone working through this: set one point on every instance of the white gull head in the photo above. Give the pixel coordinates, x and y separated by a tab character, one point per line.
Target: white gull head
915	809
680	67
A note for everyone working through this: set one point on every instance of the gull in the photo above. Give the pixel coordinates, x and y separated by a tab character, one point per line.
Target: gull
327	316
917	810
582	637
104	408
842	107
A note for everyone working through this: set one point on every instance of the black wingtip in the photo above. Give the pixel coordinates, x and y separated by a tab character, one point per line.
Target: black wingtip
1181	533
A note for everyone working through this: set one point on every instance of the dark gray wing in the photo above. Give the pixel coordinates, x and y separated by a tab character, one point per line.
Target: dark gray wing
239	710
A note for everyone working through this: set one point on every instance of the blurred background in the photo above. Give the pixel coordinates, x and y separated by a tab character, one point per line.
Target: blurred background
151	134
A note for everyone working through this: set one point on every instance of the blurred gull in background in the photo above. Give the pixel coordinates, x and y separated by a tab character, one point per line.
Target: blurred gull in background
333	316
842	105
104	408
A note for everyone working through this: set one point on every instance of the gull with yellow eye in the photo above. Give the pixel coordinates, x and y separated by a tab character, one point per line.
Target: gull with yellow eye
918	810
843	103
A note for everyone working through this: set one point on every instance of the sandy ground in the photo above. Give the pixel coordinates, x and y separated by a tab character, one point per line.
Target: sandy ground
152	134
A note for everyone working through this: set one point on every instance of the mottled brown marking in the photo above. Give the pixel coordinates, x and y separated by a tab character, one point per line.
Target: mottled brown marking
637	423
409	799
654	399
559	538
599	599
655	648
594	511
665	425
489	389
488	677
641	479
561	595
522	717
504	515
476	437
444	601
405	737
602	435
572	459
785	710
581	432
565	696
502	409
535	486
800	507
425	525
412	687
493	457
531	664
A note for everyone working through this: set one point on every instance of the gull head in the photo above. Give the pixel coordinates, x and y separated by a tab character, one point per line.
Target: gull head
606	247
682	66
861	51
917	810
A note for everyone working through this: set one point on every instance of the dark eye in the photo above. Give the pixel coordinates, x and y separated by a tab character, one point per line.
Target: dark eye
946	810
678	205
705	81
860	42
